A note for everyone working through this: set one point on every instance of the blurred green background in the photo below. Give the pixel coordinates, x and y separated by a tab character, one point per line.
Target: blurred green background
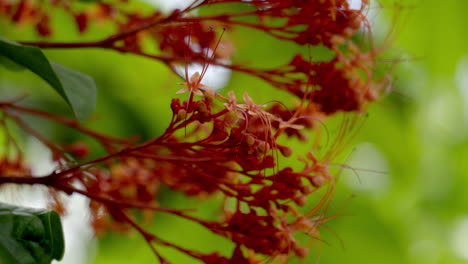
409	198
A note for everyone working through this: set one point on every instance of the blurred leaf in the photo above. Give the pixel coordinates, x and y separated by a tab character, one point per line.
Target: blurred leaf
78	90
10	65
30	236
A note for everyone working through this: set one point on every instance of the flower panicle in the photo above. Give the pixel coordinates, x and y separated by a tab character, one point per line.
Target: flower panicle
214	144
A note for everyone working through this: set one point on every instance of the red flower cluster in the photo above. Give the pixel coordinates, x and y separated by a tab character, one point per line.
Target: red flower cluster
214	143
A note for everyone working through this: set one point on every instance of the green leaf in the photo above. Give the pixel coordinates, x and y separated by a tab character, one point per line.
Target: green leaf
77	89
10	65
30	236
33	59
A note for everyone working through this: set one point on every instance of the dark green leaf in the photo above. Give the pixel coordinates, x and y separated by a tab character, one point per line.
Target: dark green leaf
10	65
30	236
33	59
78	90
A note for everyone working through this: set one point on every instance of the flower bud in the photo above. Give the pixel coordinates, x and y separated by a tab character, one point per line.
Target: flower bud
250	140
318	180
181	114
263	147
285	151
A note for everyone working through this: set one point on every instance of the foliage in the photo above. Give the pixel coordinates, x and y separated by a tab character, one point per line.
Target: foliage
214	144
77	89
29	235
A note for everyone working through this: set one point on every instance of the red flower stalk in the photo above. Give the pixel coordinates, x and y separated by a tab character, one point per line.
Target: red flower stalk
213	143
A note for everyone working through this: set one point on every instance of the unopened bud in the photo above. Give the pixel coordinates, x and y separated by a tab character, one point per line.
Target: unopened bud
263	147
286	151
306	189
181	114
301	252
318	180
202	108
250	140
79	149
300	200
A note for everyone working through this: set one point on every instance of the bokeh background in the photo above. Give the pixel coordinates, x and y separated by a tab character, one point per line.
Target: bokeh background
406	201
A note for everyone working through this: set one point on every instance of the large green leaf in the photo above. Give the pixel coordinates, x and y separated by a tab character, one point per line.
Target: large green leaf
77	89
10	65
30	236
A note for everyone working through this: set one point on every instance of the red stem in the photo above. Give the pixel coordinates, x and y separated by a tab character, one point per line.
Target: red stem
63	120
